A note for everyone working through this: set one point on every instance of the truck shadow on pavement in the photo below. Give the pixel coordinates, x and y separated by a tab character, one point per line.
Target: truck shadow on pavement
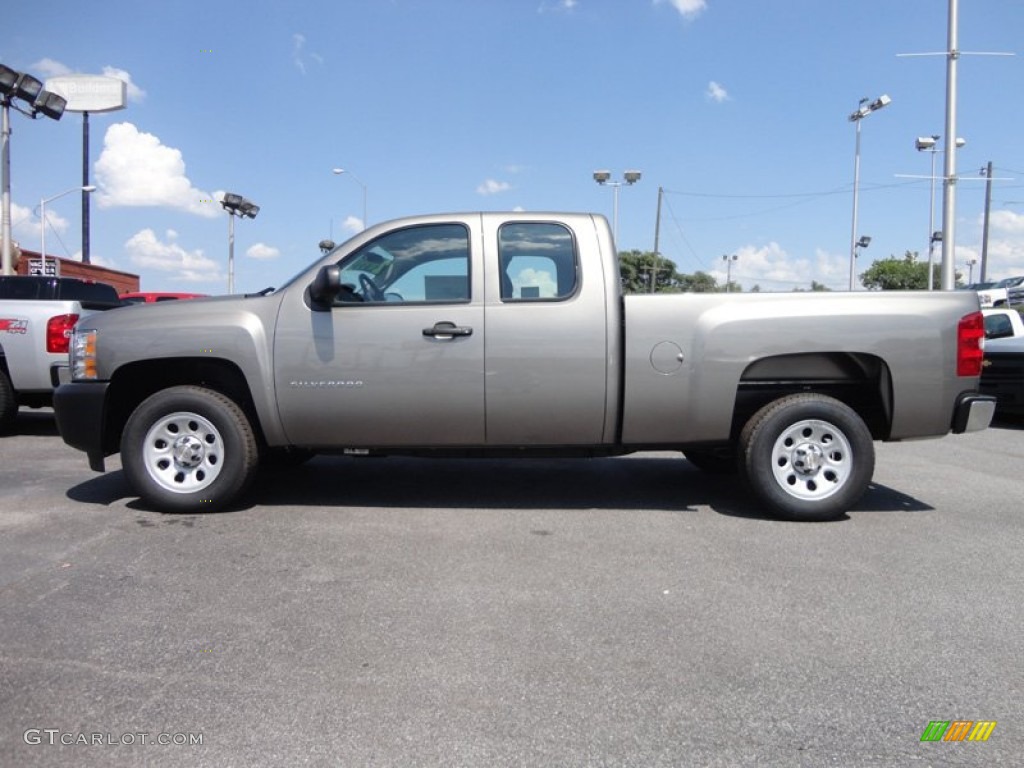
636	483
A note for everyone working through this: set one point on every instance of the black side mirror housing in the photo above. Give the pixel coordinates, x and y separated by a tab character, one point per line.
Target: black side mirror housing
326	285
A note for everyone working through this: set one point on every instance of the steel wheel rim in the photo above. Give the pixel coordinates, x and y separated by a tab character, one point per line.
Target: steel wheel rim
812	460
183	452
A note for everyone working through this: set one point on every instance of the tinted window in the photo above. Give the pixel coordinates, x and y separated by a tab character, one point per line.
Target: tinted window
429	263
538	261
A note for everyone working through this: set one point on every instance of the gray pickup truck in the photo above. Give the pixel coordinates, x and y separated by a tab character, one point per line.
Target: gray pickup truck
506	334
36	317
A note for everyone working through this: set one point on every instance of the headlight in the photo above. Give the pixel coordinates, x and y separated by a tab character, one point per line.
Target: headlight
83	355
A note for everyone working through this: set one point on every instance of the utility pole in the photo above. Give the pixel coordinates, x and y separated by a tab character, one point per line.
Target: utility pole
987	170
657	235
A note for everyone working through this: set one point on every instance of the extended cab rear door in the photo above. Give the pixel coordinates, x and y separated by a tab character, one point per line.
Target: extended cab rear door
551	354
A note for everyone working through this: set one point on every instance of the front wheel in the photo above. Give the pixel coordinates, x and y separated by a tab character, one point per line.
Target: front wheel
189	449
809	457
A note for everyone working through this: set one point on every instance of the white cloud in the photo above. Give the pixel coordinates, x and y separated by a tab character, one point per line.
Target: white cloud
136	169
25	227
492	187
298	55
558	5
353	225
688	9
717	93
135	93
298	41
771	267
51	68
146	250
262	251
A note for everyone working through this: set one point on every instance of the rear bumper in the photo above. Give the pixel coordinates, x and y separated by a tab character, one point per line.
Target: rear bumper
80	409
973	412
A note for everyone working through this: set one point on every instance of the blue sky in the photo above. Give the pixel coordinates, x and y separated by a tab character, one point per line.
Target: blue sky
737	108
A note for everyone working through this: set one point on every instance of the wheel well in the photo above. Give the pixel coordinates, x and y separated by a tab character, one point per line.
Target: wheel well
861	381
134	382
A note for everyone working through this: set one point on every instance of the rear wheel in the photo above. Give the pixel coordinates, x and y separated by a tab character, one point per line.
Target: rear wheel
809	457
189	449
8	403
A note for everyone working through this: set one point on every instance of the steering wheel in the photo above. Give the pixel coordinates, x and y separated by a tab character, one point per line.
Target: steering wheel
371	291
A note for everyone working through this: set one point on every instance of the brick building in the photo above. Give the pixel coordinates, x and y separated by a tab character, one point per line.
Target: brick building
122	281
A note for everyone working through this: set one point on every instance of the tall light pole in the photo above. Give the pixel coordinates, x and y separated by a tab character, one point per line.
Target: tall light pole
970	266
865	108
18	86
729	260
235	205
338	172
42	220
928	144
629	178
949	166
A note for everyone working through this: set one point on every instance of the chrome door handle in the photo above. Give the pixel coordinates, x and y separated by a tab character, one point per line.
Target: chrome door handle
446	330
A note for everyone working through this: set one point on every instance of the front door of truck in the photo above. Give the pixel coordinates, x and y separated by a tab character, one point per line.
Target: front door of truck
398	359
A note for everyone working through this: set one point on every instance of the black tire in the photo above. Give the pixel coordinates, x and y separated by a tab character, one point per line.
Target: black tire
189	449
713	461
8	404
808	457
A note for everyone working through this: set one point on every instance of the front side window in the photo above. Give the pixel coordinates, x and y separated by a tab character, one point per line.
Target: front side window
428	263
537	261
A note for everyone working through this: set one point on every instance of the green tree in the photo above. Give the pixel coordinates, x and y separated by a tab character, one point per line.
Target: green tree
636	269
699	282
906	274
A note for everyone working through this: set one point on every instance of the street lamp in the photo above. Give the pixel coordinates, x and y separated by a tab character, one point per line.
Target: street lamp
18	86
970	267
42	221
728	270
604	179
928	144
235	205
865	108
338	172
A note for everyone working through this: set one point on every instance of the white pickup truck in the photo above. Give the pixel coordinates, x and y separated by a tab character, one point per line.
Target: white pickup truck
507	334
36	318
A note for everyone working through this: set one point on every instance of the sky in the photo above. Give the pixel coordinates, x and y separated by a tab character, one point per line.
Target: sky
737	109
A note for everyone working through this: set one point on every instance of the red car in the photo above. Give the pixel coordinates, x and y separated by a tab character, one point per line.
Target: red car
145	297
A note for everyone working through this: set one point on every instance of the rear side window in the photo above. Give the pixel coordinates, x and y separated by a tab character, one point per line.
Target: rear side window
537	261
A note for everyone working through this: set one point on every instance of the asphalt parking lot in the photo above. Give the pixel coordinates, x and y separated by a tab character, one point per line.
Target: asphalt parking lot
606	612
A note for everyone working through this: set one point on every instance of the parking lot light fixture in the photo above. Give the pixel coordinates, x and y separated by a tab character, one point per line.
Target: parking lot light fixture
15	86
629	178
339	172
235	205
864	108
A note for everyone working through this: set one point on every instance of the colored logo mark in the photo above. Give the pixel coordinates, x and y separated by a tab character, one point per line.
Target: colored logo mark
958	730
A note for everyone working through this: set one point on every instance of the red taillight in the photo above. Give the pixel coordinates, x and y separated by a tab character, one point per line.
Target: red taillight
58	332
970	344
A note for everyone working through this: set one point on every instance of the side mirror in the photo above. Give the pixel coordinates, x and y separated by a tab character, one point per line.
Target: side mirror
326	285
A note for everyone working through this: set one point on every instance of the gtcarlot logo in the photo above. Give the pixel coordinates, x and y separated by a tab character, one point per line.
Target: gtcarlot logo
958	730
54	736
